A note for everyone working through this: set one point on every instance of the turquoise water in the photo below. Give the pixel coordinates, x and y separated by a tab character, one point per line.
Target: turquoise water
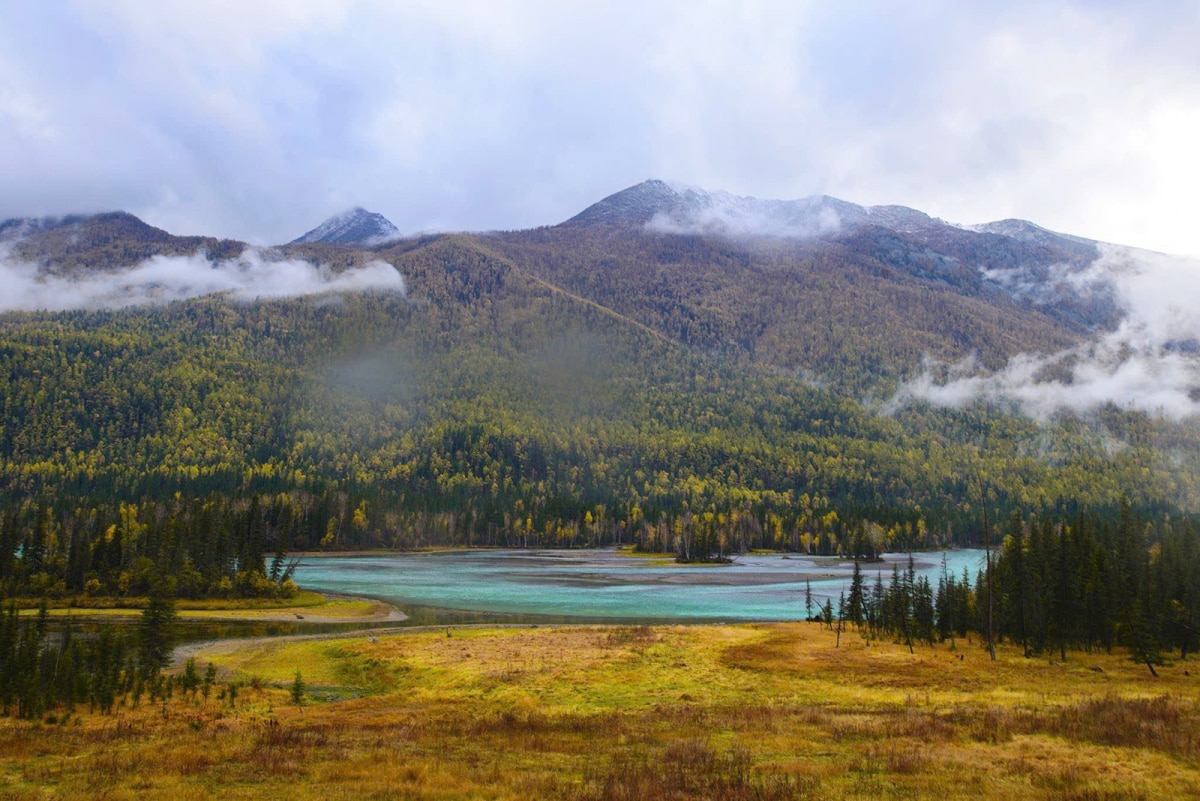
604	584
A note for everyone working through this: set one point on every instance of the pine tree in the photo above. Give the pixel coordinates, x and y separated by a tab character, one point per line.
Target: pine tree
856	600
877	608
924	617
189	681
210	676
943	604
841	617
298	690
1143	640
158	621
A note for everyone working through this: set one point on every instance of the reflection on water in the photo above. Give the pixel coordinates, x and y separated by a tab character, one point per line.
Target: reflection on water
544	586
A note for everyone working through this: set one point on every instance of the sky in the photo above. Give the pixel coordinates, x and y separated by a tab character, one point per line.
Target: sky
258	120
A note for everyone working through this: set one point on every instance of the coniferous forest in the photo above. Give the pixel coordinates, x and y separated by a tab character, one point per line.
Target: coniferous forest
207	439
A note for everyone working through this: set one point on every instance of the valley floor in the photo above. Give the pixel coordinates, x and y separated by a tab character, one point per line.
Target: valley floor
772	711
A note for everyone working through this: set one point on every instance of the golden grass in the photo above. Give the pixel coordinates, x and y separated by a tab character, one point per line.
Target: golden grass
724	712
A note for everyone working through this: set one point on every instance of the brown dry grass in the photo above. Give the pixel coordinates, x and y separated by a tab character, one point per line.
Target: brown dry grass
722	712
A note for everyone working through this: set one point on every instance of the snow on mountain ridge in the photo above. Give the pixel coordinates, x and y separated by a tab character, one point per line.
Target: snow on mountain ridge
354	227
671	207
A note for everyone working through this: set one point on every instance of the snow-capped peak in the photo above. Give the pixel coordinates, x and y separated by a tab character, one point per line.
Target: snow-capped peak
679	208
355	227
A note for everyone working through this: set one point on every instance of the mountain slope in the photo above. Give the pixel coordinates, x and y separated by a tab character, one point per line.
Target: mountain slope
491	406
103	242
661	206
591	382
862	312
684	209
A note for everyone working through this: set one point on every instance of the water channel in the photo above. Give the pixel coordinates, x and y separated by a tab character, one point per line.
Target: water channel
604	585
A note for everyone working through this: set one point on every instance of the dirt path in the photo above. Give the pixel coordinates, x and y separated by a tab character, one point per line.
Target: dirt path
227	645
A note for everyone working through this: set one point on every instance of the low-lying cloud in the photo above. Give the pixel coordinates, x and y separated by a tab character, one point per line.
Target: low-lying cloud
736	222
163	279
696	211
1149	362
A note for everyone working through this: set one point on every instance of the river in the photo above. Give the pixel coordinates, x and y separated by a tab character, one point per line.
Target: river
605	584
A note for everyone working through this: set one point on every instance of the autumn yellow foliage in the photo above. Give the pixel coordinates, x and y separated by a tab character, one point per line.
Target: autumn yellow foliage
776	711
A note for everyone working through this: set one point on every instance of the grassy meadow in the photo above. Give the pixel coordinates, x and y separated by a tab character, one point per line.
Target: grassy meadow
769	711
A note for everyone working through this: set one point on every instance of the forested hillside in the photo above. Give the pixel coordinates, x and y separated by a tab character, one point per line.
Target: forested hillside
529	391
813	308
82	244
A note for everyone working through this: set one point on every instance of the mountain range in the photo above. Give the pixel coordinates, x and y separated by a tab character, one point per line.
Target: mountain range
821	286
666	353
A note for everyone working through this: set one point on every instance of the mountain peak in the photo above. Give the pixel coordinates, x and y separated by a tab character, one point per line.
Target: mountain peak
635	205
678	208
114	223
354	227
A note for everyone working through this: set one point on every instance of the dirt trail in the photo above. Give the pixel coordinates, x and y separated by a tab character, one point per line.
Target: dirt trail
227	645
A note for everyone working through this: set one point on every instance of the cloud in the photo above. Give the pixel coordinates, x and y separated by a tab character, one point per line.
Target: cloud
256	121
162	279
1149	362
696	211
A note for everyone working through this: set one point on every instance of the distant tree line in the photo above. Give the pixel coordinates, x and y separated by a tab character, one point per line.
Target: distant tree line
207	548
241	545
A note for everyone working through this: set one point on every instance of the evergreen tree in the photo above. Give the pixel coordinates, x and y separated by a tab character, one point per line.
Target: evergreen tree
827	613
157	627
297	690
1142	636
857	599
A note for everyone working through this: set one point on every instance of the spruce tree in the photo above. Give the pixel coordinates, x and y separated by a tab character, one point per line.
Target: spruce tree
158	621
298	690
855	603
